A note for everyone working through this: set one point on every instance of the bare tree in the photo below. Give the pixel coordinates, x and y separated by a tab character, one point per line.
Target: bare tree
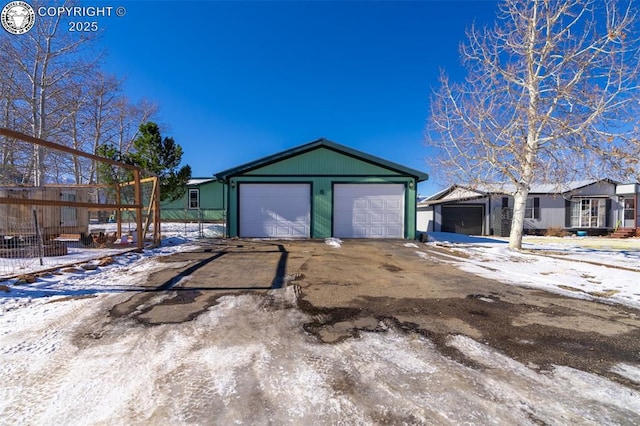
551	93
128	120
51	87
45	60
93	119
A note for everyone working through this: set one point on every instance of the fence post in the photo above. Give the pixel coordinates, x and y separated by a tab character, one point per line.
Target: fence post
39	242
157	230
118	212
138	201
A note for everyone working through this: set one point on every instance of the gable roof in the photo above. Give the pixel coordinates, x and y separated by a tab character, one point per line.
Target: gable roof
452	188
463	193
317	144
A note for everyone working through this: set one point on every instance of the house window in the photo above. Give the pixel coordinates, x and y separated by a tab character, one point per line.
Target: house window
194	198
532	208
588	213
629	208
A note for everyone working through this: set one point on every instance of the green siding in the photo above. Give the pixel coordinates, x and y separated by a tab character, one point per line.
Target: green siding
321	199
321	161
192	215
322	164
211	204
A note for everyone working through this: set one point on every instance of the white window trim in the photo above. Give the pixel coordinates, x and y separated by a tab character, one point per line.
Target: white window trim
197	191
628	206
583	217
529	209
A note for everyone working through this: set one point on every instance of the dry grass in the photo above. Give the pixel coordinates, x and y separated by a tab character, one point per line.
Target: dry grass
606	293
588	242
556	232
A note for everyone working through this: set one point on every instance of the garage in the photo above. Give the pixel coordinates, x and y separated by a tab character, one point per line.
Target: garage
368	211
462	219
321	189
275	210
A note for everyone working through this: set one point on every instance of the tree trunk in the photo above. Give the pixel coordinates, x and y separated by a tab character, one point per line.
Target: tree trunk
531	145
517	223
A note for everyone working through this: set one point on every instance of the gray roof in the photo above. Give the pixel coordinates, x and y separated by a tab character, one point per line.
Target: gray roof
557	188
548	188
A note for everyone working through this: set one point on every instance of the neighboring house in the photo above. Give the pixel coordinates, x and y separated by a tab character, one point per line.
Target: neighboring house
202	201
595	206
322	189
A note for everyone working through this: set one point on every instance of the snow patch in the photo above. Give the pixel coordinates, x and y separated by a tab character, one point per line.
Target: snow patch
630	372
214	231
574	271
422	255
333	242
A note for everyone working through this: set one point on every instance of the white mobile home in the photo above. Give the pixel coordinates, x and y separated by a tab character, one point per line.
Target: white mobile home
595	206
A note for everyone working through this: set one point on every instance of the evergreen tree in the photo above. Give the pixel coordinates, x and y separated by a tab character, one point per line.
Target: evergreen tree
160	156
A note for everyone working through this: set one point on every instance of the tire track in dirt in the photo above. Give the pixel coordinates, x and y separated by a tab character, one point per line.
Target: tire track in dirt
26	385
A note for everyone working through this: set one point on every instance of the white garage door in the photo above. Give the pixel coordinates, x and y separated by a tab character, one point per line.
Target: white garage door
275	210
368	210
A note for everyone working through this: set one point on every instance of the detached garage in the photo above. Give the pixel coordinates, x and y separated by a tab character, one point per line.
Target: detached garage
319	190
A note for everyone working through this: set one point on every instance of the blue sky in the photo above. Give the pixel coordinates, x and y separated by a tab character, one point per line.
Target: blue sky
236	81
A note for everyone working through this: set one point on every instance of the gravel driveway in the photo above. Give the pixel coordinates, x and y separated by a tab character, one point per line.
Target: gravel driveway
300	332
350	289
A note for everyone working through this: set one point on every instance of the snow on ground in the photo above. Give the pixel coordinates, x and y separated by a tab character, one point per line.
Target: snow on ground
244	362
571	266
120	276
76	255
15	266
241	363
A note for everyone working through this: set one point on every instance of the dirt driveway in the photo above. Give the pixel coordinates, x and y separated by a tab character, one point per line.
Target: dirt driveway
374	285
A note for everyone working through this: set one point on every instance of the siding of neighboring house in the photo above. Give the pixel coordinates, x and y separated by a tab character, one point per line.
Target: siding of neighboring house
425	219
551	211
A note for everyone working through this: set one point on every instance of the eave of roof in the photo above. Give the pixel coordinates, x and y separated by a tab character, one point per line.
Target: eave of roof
321	143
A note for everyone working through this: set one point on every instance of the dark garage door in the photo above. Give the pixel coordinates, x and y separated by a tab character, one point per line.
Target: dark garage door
462	219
